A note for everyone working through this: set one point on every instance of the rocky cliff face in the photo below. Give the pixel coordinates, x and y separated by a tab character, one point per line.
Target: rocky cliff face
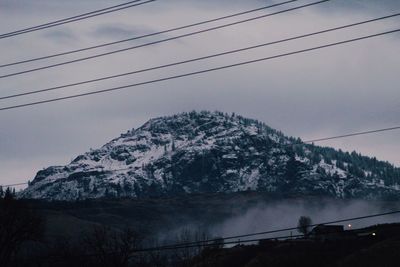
203	152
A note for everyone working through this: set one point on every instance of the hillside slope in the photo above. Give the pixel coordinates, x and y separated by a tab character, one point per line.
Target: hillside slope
211	152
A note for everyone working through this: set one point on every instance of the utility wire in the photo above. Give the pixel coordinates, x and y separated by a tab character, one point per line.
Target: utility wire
207	244
201	71
352	134
141	250
157	42
213	242
299	143
75	18
216	242
147	35
11	185
280	230
199	58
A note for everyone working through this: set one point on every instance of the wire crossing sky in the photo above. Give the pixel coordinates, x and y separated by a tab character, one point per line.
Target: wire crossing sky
348	88
200	58
76	18
198	72
159	41
146	35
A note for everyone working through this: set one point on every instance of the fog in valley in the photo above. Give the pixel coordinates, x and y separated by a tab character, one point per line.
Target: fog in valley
282	214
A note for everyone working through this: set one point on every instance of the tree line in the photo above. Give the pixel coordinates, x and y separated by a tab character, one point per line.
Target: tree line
24	242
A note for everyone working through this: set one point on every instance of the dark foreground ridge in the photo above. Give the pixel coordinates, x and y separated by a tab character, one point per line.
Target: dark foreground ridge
137	232
368	247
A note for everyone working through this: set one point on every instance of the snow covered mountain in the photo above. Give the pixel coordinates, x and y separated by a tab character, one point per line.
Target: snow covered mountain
203	152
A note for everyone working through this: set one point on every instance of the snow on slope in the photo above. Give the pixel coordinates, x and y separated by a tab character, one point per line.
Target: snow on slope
200	152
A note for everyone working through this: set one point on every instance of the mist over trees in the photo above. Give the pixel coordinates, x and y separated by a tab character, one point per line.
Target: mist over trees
23	242
111	234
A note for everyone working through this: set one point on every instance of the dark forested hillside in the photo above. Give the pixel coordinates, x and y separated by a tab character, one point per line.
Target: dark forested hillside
211	152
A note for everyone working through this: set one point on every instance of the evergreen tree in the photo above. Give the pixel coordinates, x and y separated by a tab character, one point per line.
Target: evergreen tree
173	145
303	225
291	167
8	195
316	158
18	224
95	191
340	164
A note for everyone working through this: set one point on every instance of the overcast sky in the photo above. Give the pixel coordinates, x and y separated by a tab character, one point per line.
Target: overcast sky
334	91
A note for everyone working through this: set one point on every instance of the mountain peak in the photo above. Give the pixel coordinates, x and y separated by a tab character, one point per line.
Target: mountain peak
203	152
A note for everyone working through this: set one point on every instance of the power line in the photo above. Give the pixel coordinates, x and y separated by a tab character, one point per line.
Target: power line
147	35
12	185
208	242
140	250
290	228
157	42
353	134
217	241
299	143
200	58
76	18
200	72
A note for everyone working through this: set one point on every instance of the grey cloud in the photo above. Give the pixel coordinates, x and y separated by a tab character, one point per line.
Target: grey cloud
115	31
11	6
360	5
64	36
319	94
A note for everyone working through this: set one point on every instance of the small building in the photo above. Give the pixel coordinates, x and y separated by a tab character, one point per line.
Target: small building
327	232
